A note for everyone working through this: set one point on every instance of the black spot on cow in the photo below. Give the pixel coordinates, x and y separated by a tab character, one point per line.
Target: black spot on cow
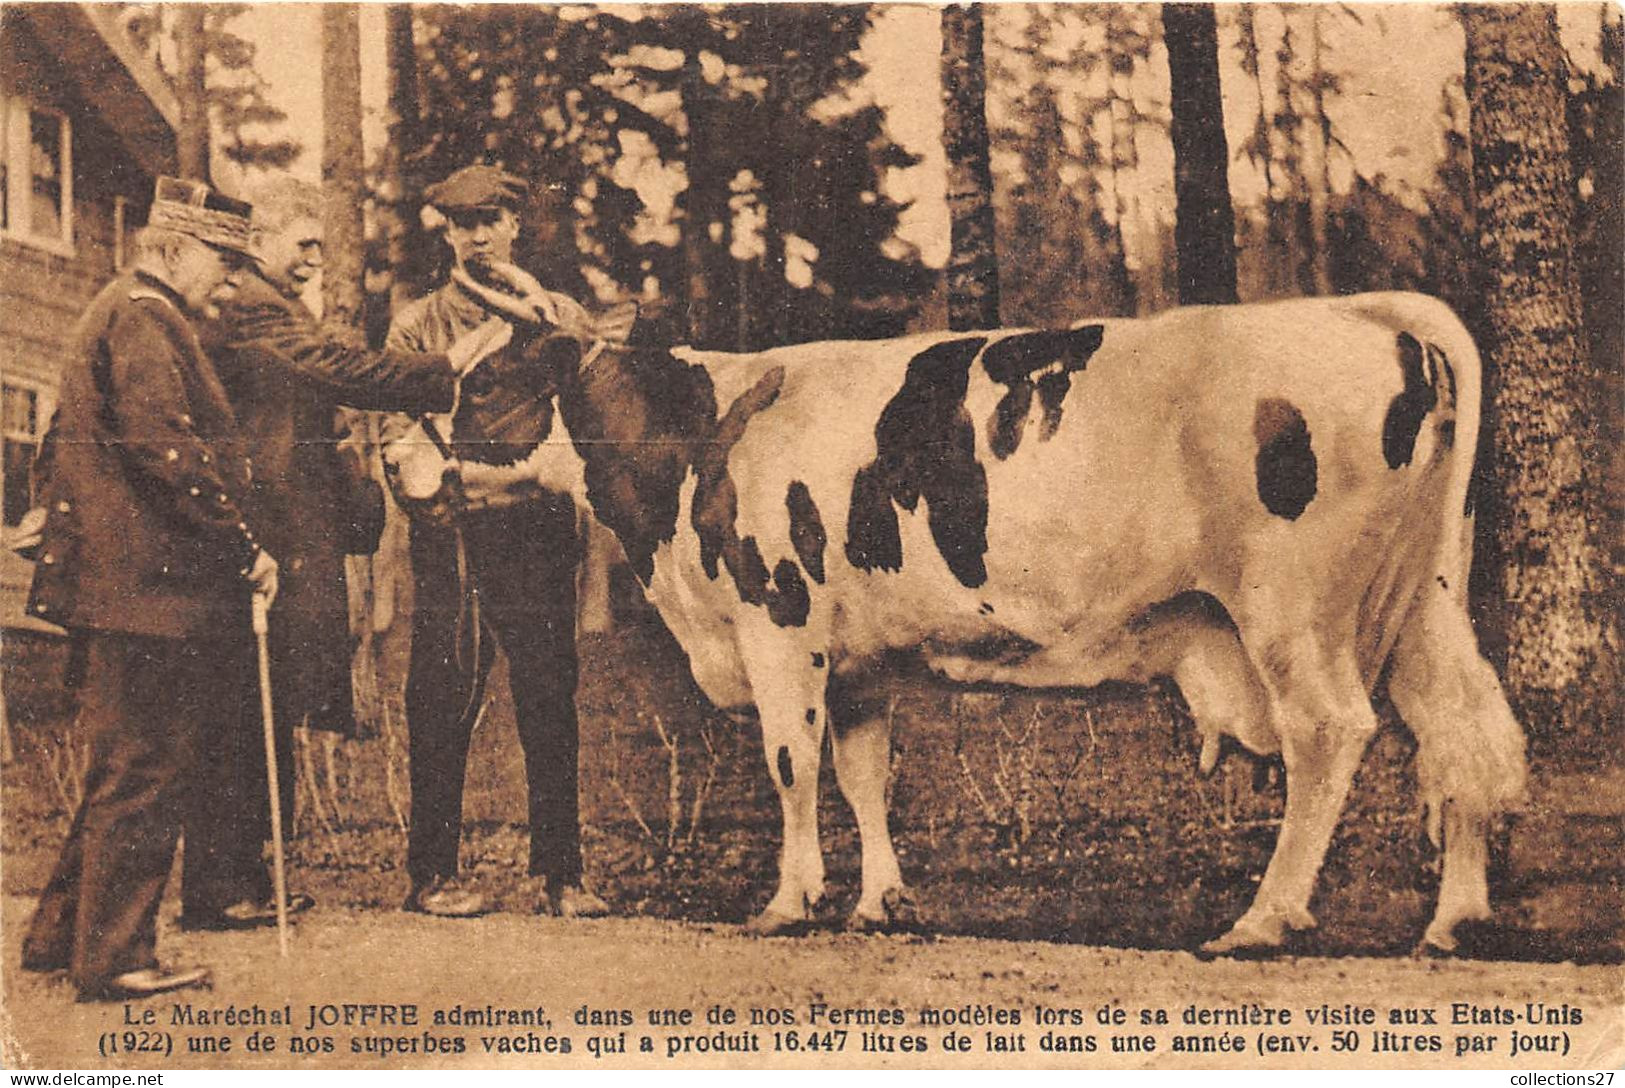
1009	419
925	448
807	534
716	499
985	609
716	507
637	416
812	715
1003	646
817	661
1407	410
787	773
1286	467
1053	354
788	601
1440	362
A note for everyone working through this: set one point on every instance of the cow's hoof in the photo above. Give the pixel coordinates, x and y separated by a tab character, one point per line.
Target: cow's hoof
899	911
1477	938
775	923
1439	940
1257	937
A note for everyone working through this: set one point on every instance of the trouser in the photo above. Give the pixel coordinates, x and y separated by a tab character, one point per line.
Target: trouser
230	822
521	562
145	706
228	817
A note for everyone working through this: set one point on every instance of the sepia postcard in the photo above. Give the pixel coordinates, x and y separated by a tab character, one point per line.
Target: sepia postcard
812	536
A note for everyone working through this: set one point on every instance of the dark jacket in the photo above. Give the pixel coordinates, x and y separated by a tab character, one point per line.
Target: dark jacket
145	531
286	375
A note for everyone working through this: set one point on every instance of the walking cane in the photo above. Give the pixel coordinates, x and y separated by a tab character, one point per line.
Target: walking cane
262	629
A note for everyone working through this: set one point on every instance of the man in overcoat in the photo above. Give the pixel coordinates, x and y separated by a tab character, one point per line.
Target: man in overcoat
286	375
148	559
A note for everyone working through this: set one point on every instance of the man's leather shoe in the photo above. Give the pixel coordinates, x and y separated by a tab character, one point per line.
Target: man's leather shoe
247	913
133	985
445	899
571	901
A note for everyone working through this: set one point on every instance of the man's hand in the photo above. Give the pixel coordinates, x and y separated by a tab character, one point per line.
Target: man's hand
508	290
489	337
29	534
263	576
614	325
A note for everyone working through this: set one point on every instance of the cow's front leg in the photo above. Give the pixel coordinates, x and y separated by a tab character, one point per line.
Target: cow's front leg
789	694
862	766
1326	723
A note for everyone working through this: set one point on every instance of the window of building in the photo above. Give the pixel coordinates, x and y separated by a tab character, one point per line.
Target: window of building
23	416
37	175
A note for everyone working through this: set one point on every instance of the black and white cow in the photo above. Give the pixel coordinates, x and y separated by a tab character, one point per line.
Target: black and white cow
1267	503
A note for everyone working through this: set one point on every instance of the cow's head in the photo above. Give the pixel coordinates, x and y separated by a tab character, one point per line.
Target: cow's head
636	415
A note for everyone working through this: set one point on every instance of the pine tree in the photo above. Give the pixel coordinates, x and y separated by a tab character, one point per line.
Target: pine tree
1206	224
973	272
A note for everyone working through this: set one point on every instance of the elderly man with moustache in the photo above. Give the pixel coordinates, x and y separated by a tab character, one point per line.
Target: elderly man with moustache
286	376
149	559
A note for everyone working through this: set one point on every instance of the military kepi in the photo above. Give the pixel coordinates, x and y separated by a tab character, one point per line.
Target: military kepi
191	207
478	187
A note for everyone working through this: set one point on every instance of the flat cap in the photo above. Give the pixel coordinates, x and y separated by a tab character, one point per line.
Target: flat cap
478	187
191	207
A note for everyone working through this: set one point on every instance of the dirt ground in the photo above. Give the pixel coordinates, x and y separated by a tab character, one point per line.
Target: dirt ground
645	966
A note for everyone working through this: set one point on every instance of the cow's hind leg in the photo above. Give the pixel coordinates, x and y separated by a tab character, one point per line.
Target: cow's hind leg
1325	723
789	693
861	740
1470	751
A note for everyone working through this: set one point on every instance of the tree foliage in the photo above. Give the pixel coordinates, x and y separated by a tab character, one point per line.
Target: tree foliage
234	91
716	162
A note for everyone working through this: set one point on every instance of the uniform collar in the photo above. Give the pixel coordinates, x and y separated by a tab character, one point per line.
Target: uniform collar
143	278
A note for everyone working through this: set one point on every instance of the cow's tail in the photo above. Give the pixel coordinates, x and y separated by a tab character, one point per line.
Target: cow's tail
1470	748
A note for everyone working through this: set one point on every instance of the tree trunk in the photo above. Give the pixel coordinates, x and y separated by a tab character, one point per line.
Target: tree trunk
1262	143
1320	191
1205	220
700	204
973	269
1559	633
1295	278
192	134
403	187
343	178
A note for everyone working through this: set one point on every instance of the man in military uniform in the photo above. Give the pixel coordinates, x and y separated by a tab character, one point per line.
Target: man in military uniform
148	558
520	543
285	376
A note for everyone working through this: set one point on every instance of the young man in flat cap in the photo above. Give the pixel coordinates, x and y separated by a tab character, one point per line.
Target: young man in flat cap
149	560
286	376
521	548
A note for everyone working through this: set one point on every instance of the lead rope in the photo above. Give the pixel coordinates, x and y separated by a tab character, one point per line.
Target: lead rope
468	620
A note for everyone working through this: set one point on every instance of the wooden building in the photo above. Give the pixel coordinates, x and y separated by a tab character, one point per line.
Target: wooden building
86	125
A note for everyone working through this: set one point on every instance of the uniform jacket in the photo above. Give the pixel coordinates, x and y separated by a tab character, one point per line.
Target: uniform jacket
145	529
286	375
